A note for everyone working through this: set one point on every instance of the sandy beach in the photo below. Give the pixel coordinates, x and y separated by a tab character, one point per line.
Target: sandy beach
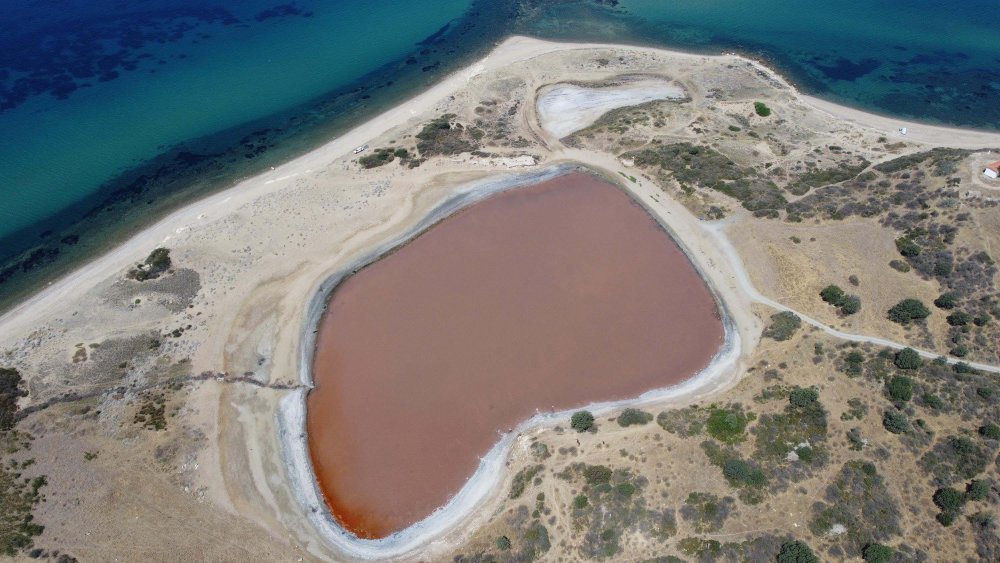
268	250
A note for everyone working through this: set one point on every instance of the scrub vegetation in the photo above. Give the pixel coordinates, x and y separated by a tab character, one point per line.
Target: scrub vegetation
866	443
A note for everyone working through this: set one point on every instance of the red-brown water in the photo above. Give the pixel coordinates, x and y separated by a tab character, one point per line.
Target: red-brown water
546	297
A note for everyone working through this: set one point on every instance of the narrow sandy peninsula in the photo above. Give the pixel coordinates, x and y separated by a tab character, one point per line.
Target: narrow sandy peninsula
164	393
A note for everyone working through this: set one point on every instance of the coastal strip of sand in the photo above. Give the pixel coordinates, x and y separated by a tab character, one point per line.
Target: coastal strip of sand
514	49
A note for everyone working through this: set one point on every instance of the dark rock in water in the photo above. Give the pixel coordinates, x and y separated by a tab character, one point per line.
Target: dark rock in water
845	69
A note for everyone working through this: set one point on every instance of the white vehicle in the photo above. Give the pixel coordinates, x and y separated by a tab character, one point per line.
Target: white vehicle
360	149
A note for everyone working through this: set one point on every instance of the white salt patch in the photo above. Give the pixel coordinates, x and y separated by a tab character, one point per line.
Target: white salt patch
567	108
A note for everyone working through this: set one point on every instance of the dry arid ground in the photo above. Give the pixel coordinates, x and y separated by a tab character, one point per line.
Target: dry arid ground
139	402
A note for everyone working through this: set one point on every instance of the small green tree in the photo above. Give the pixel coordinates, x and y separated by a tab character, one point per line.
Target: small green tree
833	295
895	422
901	388
907	247
761	109
877	553
946	301
727	425
990	430
949	499
908	310
803	397
582	421
959	318
977	489
796	552
850	305
503	543
908	358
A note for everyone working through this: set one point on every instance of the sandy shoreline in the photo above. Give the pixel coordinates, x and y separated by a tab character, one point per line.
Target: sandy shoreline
292	288
514	49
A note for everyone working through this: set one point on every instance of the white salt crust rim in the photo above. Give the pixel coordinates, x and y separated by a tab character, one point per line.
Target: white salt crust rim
291	415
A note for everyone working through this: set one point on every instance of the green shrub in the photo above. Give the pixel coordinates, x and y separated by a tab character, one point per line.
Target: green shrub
802	397
946	301
932	401
990	430
959	318
155	264
895	422
597	474
629	417
977	489
908	310
727	425
10	392
908	358
899	266
503	543
877	553
378	157
783	326
796	552
625	489
949	499
901	388
907	247
580	502
761	109
833	295
850	305
739	472
582	421
440	137
945	518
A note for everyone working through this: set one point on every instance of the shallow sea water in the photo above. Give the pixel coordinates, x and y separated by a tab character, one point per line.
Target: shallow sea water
113	112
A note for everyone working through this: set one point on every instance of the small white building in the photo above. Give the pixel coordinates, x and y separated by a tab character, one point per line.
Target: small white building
992	170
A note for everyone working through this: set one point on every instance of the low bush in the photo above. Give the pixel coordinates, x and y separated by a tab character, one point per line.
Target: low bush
783	326
739	472
850	305
727	425
630	417
803	397
959	318
907	311
900	388
582	421
895	422
949	499
907	247
597	474
946	301
908	358
877	553
761	109
796	552
10	392
990	430
977	489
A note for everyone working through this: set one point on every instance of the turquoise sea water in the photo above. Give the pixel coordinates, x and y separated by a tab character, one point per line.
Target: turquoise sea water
114	111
